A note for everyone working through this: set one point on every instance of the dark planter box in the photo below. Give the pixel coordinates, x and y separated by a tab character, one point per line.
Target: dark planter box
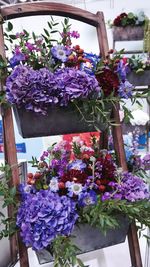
128	33
88	239
139	79
59	120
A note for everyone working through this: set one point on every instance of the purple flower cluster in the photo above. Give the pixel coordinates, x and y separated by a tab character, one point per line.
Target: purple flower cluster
37	89
43	216
125	89
76	84
31	89
146	162
131	188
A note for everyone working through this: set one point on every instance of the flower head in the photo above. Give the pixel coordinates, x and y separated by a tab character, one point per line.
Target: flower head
74	188
43	216
60	52
87	198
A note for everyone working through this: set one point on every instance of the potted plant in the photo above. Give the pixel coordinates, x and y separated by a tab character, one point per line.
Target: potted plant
139	70
129	26
76	189
60	85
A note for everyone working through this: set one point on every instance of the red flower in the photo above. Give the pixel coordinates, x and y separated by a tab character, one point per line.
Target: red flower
109	81
118	20
123	15
75	176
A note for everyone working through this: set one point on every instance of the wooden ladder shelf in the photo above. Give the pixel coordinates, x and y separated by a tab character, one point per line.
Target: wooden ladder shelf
96	20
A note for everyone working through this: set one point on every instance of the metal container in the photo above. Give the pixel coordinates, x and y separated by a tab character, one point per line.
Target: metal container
139	79
59	120
88	238
128	33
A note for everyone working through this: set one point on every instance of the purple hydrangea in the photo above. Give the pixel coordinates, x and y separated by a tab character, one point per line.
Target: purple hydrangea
43	216
131	188
35	90
32	89
75	84
146	162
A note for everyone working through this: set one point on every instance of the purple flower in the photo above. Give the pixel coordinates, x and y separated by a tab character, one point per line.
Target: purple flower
36	90
43	216
146	162
54	184
75	84
131	188
122	70
15	60
106	196
60	52
30	46
32	89
87	198
74	188
125	89
75	34
77	164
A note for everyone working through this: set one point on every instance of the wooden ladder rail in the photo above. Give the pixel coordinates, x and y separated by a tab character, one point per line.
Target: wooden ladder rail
97	20
133	241
10	157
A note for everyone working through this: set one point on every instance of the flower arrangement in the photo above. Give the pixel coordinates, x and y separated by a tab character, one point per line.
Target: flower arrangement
75	183
139	63
45	71
129	19
112	74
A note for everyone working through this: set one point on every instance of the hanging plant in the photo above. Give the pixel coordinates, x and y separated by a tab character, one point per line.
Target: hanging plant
51	75
75	185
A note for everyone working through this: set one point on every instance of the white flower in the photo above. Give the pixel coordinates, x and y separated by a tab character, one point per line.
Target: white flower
93	159
139	117
86	148
54	184
74	188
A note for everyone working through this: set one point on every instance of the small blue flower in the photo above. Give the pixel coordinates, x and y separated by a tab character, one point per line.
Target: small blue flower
125	90
15	60
87	198
77	165
60	52
74	188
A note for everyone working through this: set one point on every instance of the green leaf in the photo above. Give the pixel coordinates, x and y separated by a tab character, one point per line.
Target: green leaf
2	215
13	191
54	31
66	20
12	36
10	26
46	32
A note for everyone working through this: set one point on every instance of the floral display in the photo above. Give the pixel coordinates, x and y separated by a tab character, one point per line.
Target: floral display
125	19
112	76
139	63
73	183
46	71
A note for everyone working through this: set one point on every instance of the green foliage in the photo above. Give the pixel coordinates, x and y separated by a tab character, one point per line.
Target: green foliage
64	252
34	162
139	63
104	215
96	112
7	195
